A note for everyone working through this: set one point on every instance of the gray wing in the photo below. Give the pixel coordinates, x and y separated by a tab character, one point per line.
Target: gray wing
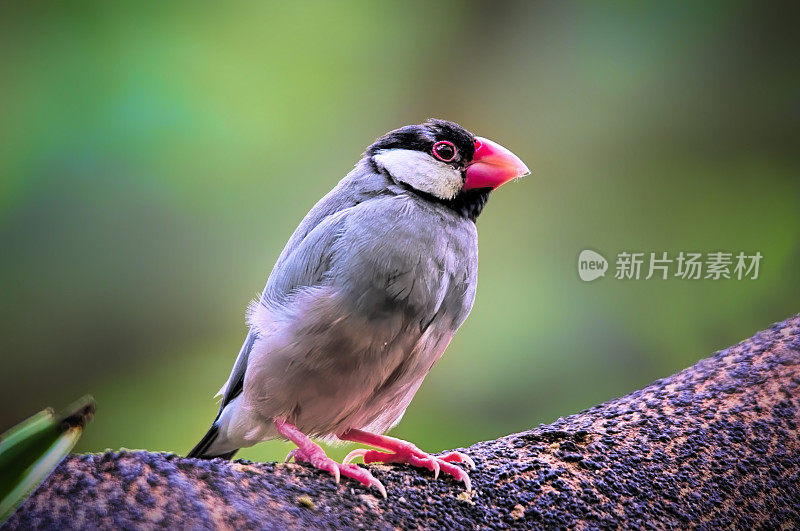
306	254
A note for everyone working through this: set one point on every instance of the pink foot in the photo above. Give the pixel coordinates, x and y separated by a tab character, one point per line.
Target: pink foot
405	452
308	451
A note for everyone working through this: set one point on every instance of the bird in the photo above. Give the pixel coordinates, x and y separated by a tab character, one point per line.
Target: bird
364	299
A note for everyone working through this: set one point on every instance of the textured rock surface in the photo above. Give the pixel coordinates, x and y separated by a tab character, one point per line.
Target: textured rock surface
713	446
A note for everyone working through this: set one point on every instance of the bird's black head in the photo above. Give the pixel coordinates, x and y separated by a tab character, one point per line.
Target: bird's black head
445	163
445	141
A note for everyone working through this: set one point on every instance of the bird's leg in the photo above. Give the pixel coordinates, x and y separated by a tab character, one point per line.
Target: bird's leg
400	451
308	451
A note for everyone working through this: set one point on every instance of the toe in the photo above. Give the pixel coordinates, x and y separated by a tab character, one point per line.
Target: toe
327	464
457	473
364	477
458	457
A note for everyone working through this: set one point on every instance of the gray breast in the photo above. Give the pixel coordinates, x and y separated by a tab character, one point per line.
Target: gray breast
351	351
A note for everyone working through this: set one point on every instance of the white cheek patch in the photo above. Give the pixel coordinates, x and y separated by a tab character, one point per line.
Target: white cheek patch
421	171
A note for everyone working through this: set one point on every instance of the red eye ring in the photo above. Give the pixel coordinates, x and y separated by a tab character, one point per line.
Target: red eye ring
445	151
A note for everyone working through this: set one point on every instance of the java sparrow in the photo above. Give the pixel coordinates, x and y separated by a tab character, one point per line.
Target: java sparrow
363	300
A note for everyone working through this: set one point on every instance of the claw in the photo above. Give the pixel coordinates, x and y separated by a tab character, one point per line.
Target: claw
359	452
363	476
290	455
436	468
467	460
329	465
467	483
325	463
378	485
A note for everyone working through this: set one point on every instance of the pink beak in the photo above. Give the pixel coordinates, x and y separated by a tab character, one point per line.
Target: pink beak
492	166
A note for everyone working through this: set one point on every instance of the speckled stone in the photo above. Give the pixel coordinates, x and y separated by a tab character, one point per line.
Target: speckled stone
714	446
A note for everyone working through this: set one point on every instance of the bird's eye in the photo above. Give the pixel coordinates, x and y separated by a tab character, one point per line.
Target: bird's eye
445	151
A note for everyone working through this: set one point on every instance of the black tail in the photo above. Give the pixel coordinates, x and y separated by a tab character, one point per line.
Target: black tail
200	450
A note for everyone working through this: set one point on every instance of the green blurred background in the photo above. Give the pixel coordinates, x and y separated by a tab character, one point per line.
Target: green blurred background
155	158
